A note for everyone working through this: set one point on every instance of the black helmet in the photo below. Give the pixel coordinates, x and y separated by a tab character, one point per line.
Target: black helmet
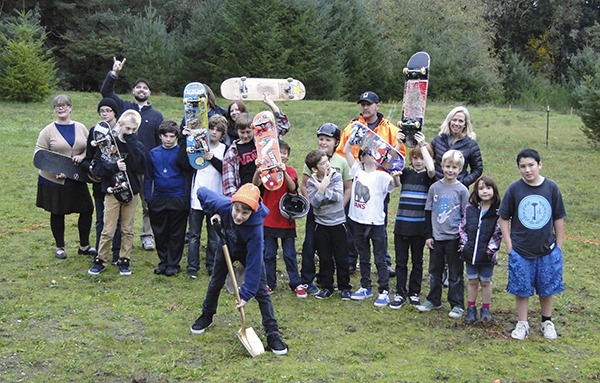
329	129
293	206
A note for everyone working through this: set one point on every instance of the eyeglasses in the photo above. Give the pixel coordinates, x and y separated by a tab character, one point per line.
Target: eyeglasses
106	110
61	106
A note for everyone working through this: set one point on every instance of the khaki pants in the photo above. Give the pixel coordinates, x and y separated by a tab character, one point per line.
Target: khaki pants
112	210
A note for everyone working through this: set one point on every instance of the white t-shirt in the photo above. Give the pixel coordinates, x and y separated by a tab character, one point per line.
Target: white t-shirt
208	177
369	190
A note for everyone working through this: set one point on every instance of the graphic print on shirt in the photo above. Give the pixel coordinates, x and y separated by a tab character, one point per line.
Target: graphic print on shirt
447	208
534	212
361	195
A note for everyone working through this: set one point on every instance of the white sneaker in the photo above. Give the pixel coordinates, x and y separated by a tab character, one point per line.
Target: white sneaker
548	330
521	330
383	299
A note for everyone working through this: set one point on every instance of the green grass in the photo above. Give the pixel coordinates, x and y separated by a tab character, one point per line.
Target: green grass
136	329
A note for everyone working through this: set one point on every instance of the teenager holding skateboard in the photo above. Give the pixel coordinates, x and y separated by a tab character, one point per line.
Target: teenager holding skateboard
57	194
147	132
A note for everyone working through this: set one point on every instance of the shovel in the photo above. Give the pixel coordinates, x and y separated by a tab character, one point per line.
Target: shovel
246	335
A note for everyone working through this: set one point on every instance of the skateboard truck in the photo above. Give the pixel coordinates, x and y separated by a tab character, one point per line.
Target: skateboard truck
243	87
415	73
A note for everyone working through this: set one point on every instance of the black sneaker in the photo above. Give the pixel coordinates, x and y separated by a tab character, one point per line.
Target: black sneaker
124	266
414	300
201	324
87	251
275	344
324	294
97	268
346	294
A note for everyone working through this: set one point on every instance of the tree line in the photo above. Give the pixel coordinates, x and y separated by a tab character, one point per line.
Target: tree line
524	52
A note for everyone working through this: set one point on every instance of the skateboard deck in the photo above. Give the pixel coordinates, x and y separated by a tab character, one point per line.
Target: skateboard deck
104	140
254	89
267	150
415	96
385	154
57	163
196	119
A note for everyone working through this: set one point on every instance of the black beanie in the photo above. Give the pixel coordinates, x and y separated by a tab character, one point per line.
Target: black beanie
110	103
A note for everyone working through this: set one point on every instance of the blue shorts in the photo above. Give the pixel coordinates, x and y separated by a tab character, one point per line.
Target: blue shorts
543	274
482	272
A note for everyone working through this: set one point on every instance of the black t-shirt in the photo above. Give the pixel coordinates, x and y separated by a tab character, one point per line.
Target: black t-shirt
247	156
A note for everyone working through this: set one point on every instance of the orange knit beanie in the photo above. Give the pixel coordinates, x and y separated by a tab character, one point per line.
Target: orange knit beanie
248	194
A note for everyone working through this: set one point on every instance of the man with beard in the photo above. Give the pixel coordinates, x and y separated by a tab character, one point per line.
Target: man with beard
147	132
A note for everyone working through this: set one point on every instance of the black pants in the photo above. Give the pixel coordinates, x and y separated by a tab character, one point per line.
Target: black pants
332	247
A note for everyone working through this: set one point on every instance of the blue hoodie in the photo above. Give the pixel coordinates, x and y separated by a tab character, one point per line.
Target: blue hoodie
243	241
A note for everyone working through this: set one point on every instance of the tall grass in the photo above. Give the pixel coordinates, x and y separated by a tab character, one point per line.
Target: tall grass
59	325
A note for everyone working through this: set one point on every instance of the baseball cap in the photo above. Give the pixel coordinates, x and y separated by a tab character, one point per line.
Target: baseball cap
369	96
248	194
142	79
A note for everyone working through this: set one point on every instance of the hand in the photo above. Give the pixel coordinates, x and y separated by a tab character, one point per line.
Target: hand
215	218
61	176
420	138
118	65
429	243
240	304
208	156
396	173
78	159
400	136
281	166
122	166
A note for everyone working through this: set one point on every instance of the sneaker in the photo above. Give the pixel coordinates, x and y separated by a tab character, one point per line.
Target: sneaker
124	266
201	324
193	274
324	294
362	294
521	330
148	244
485	314
346	294
548	330
414	300
87	251
383	299
398	302
311	289
300	292
456	312
427	306
270	290
170	271
275	344
97	268
471	316
60	253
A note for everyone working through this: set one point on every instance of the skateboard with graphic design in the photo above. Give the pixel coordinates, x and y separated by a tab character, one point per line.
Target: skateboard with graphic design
195	111
387	157
266	139
105	141
254	89
58	163
415	97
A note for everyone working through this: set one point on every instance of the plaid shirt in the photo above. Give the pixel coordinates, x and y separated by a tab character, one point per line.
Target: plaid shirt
231	161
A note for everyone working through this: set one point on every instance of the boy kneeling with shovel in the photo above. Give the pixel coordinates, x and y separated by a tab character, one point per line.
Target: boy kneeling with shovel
242	219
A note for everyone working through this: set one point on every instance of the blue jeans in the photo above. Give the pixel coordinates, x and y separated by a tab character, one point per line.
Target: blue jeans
364	235
212	244
288	247
217	280
405	244
446	252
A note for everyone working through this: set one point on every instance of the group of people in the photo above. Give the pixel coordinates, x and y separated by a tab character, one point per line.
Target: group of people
347	196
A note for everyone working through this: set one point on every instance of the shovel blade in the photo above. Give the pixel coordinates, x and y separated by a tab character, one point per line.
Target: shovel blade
251	341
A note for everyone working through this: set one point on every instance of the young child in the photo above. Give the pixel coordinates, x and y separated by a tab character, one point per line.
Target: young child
277	226
326	193
242	219
133	162
212	178
446	202
480	238
534	240
328	136
239	161
167	194
370	187
410	227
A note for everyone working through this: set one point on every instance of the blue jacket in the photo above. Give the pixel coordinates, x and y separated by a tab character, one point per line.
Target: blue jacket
151	118
244	241
470	150
165	175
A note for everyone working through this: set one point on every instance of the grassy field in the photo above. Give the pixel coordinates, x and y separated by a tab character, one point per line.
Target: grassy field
59	325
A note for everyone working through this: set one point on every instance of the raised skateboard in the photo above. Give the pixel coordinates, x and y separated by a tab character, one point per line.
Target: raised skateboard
254	89
267	149
386	155
415	97
57	163
195	113
105	141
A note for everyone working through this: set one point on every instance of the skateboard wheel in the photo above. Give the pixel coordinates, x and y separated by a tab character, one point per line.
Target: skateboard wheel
423	70
405	71
290	79
244	96
243	78
109	190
